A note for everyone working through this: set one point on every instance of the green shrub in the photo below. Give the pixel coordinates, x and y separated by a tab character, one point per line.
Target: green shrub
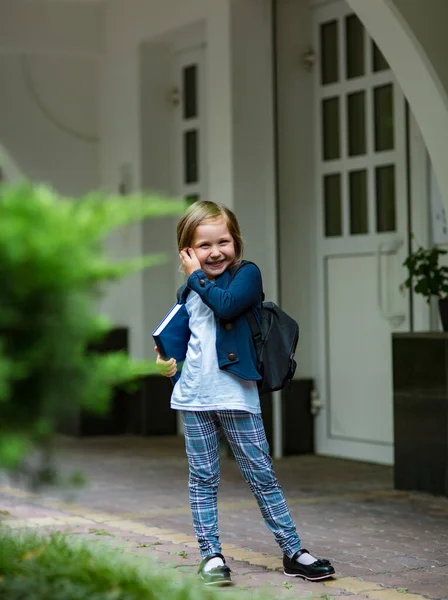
52	272
37	568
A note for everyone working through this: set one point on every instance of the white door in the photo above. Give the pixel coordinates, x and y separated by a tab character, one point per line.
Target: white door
189	166
362	217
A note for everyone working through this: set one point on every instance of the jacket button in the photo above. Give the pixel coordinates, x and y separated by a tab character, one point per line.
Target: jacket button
228	326
201	282
232	356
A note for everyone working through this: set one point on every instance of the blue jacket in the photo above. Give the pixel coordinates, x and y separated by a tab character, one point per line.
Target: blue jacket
229	299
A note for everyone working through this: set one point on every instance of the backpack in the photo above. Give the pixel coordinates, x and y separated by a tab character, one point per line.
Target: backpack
275	340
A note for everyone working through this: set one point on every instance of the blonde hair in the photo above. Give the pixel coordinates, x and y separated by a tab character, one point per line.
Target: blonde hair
201	211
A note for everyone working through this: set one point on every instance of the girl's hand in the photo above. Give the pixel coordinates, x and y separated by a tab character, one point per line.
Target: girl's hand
189	260
167	368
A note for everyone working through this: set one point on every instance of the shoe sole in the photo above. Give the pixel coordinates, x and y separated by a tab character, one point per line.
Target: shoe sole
307	577
219	582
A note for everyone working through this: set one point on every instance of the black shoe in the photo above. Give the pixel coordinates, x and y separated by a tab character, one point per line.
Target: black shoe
319	569
218	575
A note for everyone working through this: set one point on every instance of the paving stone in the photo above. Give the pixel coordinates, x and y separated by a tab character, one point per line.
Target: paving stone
345	510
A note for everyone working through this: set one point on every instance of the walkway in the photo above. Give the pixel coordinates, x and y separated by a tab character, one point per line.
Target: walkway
384	544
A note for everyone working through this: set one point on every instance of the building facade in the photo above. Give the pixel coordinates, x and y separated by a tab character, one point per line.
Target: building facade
322	123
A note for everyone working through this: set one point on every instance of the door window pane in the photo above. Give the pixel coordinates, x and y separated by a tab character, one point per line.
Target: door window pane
191	156
383	101
190	91
358	202
354	44
356	119
332	205
330	126
385	198
329	52
379	62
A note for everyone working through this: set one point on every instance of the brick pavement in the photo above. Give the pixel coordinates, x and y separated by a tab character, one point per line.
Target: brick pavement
384	544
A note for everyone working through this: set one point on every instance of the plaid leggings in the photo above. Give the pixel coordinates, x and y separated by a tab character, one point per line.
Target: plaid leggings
246	436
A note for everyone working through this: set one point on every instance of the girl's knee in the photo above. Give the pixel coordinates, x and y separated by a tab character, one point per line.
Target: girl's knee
264	487
204	479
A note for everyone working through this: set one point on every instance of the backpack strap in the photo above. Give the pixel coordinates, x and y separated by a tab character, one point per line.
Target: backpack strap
253	323
181	291
255	328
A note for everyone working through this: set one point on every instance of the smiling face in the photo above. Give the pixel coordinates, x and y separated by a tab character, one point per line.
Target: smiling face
214	247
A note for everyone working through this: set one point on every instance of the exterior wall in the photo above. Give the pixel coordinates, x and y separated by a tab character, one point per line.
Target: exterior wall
297	225
9	170
140	40
131	24
45	152
253	134
103	70
49	74
68	28
141	301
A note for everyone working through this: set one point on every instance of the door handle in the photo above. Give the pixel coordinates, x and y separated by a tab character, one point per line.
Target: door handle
395	319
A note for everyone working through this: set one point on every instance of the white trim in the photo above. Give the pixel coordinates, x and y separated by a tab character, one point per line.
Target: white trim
356	84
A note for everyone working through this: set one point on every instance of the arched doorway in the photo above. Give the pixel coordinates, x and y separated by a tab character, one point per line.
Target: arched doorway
389	22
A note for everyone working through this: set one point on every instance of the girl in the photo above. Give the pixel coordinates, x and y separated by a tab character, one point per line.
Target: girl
217	389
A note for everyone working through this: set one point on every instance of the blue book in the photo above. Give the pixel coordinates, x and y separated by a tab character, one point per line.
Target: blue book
172	334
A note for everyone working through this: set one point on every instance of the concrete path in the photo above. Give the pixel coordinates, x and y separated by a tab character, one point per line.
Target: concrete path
384	544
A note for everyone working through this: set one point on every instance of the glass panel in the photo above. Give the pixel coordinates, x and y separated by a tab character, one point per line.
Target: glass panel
358	202
356	120
330	128
383	100
190	91
332	205
379	62
385	198
191	156
354	46
329	52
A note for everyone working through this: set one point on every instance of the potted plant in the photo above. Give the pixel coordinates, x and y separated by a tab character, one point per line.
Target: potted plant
428	278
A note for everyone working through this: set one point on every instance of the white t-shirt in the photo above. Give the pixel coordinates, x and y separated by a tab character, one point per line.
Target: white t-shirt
202	384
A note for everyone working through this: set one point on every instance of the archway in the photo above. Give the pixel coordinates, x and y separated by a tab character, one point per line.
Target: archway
420	82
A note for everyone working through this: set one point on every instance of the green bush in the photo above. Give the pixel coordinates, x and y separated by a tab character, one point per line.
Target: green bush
37	568
52	271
